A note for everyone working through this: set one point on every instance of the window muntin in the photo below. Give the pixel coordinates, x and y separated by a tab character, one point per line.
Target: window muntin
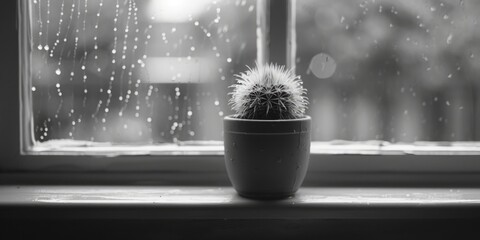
394	71
136	72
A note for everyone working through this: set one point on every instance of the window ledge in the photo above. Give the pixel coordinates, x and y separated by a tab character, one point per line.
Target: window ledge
151	202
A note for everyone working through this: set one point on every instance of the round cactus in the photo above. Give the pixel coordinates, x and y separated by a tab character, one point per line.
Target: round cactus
268	92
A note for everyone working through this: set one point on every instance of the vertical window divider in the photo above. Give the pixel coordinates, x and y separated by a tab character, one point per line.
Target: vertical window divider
25	85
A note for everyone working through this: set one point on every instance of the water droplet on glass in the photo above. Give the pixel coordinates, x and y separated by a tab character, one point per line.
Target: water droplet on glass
322	66
34	89
58	71
229	60
449	38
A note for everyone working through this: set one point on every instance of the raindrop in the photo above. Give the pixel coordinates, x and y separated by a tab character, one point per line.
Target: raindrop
58	71
229	60
322	66
34	89
449	38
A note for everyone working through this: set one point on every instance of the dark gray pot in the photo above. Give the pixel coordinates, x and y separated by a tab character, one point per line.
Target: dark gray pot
266	159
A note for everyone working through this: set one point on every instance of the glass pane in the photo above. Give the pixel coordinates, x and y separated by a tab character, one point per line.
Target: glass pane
397	71
136	71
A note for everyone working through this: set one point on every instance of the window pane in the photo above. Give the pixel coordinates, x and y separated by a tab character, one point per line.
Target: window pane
136	71
399	71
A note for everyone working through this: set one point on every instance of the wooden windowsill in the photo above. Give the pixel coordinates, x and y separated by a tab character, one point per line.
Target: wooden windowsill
202	202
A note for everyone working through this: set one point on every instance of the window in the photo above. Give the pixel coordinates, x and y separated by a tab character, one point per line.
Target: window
129	77
393	71
135	72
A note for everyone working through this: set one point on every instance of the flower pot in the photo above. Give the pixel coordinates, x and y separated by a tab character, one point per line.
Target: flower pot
266	159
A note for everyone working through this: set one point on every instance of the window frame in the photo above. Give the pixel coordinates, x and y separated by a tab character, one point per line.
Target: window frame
339	166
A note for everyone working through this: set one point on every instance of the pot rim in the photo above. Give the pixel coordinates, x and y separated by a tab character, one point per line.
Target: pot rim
231	118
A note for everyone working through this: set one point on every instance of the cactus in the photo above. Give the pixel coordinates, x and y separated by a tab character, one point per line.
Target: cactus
268	92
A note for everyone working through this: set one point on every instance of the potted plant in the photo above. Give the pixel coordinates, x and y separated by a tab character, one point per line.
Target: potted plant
267	140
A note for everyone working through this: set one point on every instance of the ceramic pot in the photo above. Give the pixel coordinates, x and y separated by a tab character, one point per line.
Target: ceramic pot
266	159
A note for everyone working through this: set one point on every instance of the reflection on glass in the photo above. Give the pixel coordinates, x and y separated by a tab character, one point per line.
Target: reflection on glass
136	71
398	71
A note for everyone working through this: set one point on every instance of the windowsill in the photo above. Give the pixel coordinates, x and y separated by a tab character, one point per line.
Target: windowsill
203	202
73	147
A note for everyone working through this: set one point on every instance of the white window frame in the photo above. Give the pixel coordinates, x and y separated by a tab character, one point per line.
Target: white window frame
349	160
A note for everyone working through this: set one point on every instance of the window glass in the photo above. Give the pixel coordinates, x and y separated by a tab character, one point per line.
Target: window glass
135	71
387	70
